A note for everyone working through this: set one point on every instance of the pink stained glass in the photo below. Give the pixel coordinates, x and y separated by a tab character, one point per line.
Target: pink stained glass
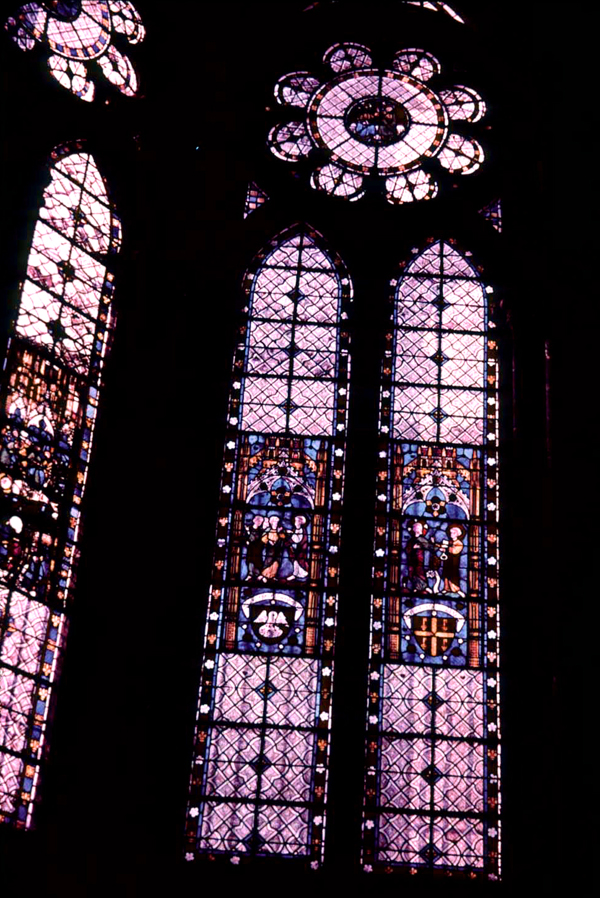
259	783
462	155
295	89
48	395
75	36
384	123
432	783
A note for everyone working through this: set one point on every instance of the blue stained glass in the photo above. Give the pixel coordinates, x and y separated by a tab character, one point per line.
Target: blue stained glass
493	213
432	787
51	375
76	32
259	783
255	197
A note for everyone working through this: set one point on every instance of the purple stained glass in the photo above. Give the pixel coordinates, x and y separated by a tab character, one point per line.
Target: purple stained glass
432	788
75	34
493	213
387	123
49	395
259	782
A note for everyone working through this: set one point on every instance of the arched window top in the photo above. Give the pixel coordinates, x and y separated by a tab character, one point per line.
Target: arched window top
298	277
441	259
297	291
49	392
370	121
77	205
440	348
77	32
77	228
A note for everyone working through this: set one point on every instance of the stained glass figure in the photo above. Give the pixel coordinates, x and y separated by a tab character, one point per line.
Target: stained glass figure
255	197
49	393
259	782
79	33
433	754
377	125
493	213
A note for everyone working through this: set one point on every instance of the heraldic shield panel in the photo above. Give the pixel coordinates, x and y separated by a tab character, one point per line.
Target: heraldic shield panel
432	793
259	778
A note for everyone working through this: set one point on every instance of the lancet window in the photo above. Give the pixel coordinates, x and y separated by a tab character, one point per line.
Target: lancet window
433	754
259	782
49	393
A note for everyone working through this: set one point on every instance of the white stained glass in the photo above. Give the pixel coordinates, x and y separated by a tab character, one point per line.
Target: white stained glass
348	56
418	63
295	89
49	398
85	34
461	154
290	142
463	103
337	181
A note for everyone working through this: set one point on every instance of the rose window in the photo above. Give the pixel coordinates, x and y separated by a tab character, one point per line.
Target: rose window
390	124
79	32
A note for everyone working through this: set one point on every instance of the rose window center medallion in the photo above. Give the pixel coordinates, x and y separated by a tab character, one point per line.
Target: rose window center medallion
383	123
399	119
377	121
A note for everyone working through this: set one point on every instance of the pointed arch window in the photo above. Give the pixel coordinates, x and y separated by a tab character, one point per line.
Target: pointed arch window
432	787
49	394
259	781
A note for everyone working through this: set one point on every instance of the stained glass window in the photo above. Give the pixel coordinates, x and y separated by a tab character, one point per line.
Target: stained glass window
255	197
77	34
259	782
432	786
493	213
49	390
379	124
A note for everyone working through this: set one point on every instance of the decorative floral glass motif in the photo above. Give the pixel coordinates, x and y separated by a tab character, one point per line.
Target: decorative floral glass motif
433	754
49	392
259	782
385	126
80	32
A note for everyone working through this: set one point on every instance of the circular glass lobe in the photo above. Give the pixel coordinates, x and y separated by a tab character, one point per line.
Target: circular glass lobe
377	121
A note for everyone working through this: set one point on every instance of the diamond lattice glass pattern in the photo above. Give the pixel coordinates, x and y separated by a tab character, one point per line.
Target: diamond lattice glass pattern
77	34
432	788
259	783
381	123
49	396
